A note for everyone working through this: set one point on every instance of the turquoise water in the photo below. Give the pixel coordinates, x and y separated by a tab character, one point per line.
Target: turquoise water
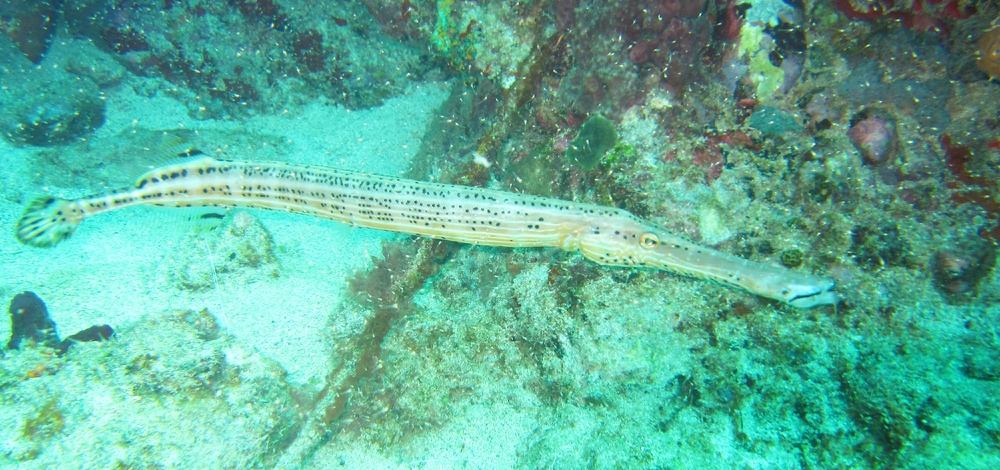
859	141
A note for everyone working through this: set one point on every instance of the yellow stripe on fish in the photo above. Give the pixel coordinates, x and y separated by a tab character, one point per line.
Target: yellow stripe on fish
464	214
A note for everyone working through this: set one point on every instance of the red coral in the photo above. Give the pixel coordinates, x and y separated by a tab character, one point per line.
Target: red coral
712	155
730	21
957	158
398	19
710	158
668	36
918	15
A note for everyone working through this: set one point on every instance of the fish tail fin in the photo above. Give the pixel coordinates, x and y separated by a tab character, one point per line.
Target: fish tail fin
47	221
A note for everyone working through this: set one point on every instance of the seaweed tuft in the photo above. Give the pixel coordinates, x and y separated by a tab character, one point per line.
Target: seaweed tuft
46	423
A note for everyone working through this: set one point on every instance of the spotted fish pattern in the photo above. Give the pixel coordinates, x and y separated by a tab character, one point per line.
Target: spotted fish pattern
479	216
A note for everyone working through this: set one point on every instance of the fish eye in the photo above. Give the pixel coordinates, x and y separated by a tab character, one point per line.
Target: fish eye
648	240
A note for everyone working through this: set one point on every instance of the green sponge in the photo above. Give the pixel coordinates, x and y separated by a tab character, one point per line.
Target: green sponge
597	136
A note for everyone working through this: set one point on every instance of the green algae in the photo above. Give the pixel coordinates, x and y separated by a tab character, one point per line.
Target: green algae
622	153
792	258
773	122
453	43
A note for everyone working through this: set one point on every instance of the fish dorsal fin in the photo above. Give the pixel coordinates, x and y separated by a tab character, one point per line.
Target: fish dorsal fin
185	154
172	147
158	148
186	160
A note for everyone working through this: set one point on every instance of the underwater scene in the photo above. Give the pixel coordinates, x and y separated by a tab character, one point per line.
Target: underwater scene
500	234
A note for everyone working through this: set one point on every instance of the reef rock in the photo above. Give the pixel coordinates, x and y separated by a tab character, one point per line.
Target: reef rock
239	250
45	105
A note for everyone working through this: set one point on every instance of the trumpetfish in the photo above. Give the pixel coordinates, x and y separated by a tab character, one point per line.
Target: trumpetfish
478	216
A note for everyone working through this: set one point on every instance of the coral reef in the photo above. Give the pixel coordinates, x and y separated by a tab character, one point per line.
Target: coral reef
667	37
773	122
358	394
817	148
959	269
854	139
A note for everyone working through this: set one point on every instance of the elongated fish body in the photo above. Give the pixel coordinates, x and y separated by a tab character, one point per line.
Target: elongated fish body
479	216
